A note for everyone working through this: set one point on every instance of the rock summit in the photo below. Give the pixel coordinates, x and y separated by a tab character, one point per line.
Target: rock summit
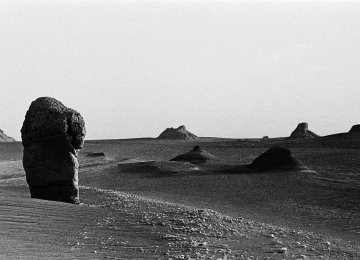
302	131
355	128
5	138
180	133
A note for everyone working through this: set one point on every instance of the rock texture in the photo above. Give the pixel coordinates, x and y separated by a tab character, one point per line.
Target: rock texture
276	158
355	128
302	131
52	135
195	156
180	133
5	138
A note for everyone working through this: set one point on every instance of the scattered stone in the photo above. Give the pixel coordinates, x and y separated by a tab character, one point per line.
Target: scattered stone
302	131
52	135
180	133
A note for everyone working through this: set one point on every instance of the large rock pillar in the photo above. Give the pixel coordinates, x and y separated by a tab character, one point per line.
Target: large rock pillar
52	135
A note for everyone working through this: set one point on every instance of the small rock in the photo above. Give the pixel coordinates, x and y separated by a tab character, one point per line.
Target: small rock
282	250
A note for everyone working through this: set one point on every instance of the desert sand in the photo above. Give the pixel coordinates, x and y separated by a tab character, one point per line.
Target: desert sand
186	212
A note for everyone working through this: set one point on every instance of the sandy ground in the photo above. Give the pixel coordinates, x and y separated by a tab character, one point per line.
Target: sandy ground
187	215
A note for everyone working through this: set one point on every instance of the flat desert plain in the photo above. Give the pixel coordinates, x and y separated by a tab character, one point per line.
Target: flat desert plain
188	212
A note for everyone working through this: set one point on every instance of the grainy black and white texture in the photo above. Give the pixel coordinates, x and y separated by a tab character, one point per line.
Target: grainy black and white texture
52	135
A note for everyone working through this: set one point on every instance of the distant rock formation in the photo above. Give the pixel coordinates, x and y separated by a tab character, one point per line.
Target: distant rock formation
52	135
302	131
5	138
180	133
355	128
195	156
276	158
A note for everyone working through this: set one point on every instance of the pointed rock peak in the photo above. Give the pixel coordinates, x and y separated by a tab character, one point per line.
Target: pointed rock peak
5	138
180	133
182	127
355	128
302	131
303	126
277	158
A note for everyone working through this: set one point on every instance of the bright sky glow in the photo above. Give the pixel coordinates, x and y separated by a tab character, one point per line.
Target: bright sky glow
222	68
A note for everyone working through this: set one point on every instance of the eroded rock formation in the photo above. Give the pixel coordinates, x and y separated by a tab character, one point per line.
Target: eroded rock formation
355	128
5	138
195	156
180	133
276	158
52	135
302	131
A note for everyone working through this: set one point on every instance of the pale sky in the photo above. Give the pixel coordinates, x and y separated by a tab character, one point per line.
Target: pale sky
223	68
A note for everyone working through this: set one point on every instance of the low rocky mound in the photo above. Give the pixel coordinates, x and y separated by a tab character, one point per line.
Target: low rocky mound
276	158
302	131
355	128
180	133
195	156
155	167
5	138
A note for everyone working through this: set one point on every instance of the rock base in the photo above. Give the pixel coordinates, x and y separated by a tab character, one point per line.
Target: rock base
62	192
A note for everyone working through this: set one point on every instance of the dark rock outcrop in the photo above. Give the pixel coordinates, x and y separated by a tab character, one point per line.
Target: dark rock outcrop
180	133
302	131
276	158
5	138
355	128
52	135
195	156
